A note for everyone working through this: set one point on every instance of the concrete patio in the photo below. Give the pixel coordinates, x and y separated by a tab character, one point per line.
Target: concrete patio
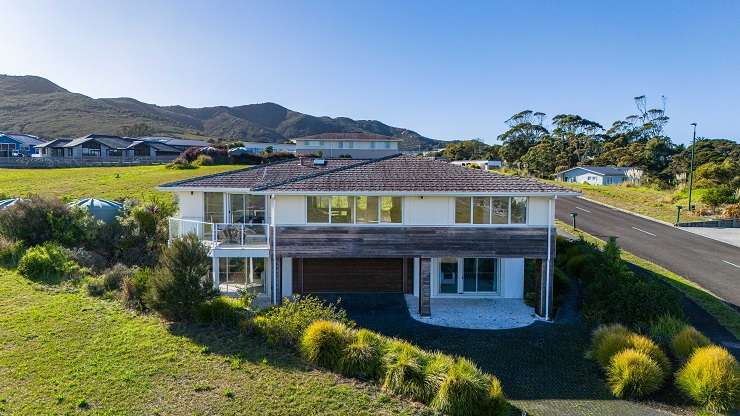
474	313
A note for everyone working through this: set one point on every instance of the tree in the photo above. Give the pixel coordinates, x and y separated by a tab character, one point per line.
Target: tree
714	197
470	150
541	159
525	130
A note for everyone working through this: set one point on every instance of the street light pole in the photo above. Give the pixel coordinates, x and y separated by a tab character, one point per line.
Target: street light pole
691	170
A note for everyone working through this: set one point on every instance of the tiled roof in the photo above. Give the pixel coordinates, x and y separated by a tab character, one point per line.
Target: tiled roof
397	173
26	139
115	142
54	143
356	136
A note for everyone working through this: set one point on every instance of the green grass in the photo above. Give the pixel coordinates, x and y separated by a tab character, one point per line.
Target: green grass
62	352
725	315
100	182
655	203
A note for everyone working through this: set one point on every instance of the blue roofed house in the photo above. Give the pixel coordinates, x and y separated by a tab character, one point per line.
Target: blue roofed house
17	144
599	175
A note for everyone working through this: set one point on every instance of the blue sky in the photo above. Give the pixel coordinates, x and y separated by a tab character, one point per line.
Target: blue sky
448	70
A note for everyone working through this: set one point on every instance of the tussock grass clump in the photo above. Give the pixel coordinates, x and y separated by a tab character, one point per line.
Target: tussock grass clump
686	341
633	374
663	329
711	378
608	340
466	390
436	371
649	347
404	374
324	343
363	358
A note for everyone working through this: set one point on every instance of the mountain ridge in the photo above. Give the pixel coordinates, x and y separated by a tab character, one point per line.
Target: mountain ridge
35	105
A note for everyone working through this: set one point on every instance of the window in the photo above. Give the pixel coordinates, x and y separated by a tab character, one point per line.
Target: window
237	273
115	152
479	275
387	145
490	210
91	150
213	207
354	209
247	209
141	150
317	209
7	149
448	275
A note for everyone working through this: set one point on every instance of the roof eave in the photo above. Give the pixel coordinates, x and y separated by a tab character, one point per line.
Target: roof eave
352	193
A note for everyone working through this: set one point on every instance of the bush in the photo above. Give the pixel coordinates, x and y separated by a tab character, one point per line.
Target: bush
180	164
435	372
284	324
711	378
731	211
46	263
464	391
650	348
86	258
221	310
141	232
114	277
203	160
324	342
404	374
95	287
663	329
135	287
183	282
634	374
686	341
11	252
608	340
38	220
363	358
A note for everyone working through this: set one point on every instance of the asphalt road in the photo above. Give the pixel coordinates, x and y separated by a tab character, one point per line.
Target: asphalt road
712	264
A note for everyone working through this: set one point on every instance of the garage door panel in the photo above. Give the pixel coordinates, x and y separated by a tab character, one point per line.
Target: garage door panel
351	275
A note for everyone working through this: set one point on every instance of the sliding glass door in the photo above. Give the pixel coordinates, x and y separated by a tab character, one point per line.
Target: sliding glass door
477	275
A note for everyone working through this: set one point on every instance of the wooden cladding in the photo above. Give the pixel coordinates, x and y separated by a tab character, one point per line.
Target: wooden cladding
348	275
392	241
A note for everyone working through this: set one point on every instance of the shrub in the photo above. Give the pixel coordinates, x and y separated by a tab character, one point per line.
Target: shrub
284	324
183	283
95	287
663	329
711	378
464	390
38	220
11	252
732	211
435	372
686	341
324	342
135	287
404	374
633	374
180	164
46	263
363	358
608	340
203	160
86	258
496	400
221	310
142	232
651	349
113	278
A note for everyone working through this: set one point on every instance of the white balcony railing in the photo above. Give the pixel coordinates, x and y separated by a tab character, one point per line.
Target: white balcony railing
218	234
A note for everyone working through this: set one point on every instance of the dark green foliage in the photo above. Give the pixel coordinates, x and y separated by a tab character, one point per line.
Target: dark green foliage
113	278
470	150
663	329
46	263
183	282
720	195
95	286
363	358
141	233
284	324
11	252
38	220
686	341
324	343
221	311
134	288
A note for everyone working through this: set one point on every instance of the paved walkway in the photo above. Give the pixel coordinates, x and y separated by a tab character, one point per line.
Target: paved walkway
726	235
474	313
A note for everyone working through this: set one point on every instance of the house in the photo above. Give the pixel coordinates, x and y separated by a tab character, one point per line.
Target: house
112	148
599	175
259	147
16	144
483	164
53	148
355	145
398	224
177	143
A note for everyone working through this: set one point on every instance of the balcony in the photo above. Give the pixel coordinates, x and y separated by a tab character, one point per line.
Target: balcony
222	236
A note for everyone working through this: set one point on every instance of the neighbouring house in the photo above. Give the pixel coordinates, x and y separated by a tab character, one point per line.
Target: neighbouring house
355	145
259	147
177	143
113	148
17	144
398	224
599	175
483	164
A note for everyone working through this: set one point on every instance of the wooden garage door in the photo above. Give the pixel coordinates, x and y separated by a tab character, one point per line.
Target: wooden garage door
348	275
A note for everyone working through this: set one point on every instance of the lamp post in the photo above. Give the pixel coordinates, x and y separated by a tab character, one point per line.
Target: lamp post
691	169
574	214
678	213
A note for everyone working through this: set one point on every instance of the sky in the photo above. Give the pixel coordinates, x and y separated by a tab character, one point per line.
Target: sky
446	69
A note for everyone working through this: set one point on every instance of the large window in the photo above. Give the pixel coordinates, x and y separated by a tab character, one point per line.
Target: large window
213	207
490	210
468	275
247	209
354	209
239	273
91	149
7	149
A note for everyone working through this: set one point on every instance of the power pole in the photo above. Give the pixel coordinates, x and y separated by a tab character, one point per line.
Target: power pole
691	169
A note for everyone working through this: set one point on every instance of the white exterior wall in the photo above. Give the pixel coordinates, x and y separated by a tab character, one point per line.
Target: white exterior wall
510	279
190	205
290	209
537	211
428	210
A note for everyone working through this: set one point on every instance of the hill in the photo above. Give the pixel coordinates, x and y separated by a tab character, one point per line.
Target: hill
35	105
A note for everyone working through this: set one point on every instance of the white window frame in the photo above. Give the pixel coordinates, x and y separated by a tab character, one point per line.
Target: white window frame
353	207
460	279
490	211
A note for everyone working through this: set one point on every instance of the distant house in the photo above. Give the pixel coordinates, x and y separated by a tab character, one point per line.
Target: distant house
599	175
356	145
180	144
16	144
109	147
258	147
483	164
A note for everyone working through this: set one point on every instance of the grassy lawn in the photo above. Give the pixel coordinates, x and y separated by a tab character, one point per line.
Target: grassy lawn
101	182
62	352
728	317
659	204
